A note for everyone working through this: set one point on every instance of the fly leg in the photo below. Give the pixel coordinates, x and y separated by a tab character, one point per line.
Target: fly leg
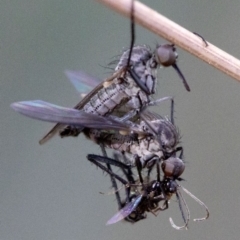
113	180
127	170
138	81
98	160
139	167
173	154
155	102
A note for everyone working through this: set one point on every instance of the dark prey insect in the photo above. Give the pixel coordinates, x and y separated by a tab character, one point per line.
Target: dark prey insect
146	197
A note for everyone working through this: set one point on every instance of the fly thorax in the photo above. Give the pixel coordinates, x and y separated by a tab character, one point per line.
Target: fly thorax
146	74
143	64
169	135
138	53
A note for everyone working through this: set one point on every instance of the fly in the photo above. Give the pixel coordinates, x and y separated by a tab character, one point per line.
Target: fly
129	89
146	142
151	194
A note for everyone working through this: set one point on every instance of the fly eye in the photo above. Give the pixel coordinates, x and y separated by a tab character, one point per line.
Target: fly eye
166	55
173	167
172	186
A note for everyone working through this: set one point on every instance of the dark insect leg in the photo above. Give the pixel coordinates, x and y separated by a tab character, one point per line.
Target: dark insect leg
127	170
155	102
181	152
139	168
132	29
173	153
138	81
206	44
113	180
129	67
95	159
159	179
172	111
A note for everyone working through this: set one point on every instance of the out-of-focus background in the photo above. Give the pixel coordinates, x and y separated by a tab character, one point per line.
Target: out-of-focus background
52	191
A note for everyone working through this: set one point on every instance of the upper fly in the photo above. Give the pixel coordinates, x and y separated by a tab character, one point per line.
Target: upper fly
127	91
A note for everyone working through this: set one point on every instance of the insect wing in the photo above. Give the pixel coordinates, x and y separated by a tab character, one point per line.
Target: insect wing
81	104
53	113
82	81
125	211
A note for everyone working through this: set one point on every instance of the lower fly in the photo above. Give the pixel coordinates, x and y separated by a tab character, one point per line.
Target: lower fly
146	142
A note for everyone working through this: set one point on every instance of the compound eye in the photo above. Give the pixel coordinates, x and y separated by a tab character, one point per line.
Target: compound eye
173	167
166	55
172	186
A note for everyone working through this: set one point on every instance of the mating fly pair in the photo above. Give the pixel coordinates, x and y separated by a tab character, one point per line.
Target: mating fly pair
120	97
117	104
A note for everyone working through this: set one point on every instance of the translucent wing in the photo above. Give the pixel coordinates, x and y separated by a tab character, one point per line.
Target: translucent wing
125	211
53	113
78	77
82	81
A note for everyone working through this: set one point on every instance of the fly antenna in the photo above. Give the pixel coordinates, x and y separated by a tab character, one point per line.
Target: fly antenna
200	203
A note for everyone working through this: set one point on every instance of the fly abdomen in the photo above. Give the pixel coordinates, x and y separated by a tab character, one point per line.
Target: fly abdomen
107	99
70	131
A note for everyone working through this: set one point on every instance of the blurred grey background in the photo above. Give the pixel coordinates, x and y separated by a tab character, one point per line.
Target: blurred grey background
51	191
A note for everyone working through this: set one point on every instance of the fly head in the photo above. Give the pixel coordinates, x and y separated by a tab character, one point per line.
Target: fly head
173	167
166	55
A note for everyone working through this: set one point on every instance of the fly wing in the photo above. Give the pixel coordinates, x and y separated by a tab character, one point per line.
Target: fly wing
53	113
150	116
82	81
125	211
85	100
